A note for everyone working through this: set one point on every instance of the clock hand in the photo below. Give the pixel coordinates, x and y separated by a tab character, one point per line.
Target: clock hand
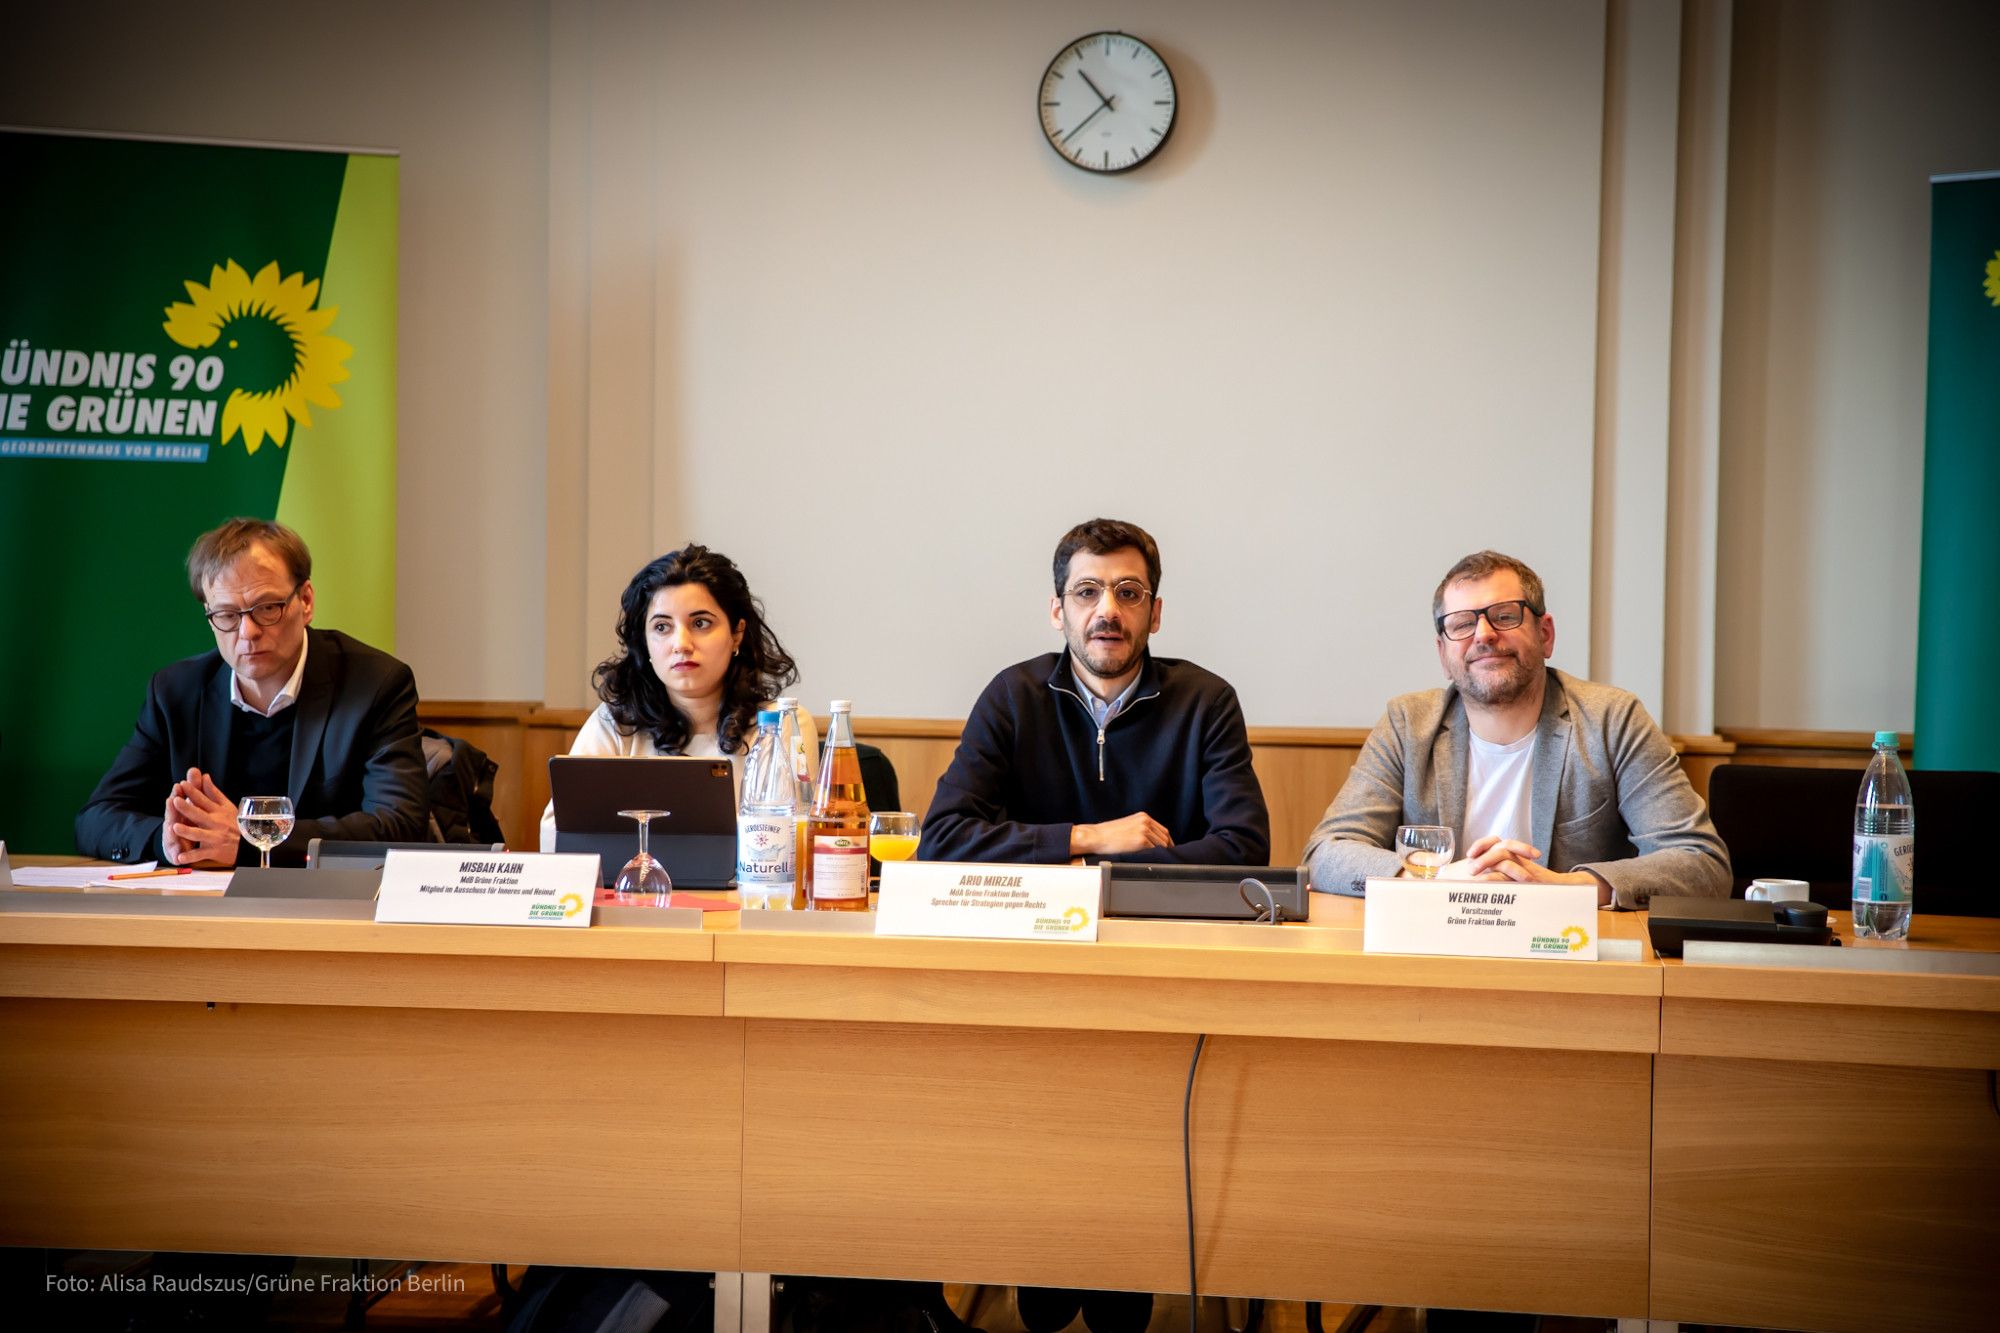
1099	91
1085	121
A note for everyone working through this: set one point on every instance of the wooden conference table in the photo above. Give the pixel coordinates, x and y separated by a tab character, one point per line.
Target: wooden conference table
1771	1146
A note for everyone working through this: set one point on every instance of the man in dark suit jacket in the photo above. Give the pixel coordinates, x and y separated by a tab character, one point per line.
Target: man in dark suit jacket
278	709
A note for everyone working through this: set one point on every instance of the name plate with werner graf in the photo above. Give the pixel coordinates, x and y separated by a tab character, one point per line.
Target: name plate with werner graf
1480	919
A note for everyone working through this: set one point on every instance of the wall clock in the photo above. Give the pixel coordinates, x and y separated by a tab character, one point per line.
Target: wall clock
1107	102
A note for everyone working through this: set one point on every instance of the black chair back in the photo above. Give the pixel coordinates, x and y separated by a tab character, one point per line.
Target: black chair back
1798	823
878	778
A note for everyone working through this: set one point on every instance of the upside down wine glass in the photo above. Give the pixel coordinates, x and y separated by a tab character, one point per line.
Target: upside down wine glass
643	882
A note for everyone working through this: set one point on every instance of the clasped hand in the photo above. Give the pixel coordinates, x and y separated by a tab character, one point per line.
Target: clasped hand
200	823
1134	833
1496	858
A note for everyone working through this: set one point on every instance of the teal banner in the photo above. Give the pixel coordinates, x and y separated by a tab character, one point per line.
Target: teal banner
192	332
1958	625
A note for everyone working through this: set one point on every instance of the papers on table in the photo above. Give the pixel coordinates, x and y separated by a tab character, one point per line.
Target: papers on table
56	877
100	877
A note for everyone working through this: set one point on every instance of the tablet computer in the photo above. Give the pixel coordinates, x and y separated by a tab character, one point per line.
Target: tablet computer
695	839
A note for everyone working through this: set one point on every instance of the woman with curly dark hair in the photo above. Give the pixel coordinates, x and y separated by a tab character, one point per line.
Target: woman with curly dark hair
694	664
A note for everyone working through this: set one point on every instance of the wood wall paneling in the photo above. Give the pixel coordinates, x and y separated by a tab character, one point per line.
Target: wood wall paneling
549	732
495	728
1809	749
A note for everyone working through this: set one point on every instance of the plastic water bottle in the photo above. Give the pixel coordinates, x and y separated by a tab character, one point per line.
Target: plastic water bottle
1885	846
792	741
767	821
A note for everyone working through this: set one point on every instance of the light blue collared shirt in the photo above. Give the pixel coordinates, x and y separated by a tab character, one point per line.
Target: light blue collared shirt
1100	711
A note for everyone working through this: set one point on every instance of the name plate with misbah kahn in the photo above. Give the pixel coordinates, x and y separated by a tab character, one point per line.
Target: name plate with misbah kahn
1481	919
487	888
970	900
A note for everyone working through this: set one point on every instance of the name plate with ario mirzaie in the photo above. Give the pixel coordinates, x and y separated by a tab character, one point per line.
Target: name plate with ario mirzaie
1480	919
969	900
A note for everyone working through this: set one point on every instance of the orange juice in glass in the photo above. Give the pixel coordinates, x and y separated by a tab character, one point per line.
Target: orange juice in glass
892	835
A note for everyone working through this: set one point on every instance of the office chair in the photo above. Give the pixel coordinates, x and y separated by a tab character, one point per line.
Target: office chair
1798	823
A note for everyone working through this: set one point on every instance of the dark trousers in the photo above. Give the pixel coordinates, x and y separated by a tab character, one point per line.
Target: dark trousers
1048	1309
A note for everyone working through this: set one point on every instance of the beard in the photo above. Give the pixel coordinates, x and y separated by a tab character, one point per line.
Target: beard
1497	688
1106	659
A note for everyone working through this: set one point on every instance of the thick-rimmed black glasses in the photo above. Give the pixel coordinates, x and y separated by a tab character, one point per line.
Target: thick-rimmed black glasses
1458	625
1126	592
266	614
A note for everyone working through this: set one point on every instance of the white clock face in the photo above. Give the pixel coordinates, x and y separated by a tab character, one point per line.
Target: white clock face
1107	102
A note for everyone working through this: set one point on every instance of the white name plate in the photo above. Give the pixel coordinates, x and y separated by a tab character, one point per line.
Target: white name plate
487	888
975	901
1480	919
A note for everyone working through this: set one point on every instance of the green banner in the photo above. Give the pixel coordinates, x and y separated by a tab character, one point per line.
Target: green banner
1958	630
192	332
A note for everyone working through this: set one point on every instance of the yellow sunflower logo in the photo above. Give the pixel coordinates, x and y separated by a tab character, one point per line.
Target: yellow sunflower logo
1993	278
276	348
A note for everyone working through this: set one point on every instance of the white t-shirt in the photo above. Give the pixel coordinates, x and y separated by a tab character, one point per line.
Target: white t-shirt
1499	791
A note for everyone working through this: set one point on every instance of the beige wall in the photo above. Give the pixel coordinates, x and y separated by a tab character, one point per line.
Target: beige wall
459	88
664	262
1340	332
1842	111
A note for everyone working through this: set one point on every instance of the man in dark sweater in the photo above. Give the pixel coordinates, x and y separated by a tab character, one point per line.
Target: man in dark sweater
1102	751
277	709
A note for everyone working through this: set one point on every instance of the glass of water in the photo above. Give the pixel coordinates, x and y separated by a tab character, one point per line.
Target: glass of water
1424	849
265	821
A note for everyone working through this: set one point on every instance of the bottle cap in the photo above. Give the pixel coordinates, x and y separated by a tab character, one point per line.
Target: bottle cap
768	717
1885	738
788	702
843	706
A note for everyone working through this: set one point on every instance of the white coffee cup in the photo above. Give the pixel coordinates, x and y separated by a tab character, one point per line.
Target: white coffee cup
1778	891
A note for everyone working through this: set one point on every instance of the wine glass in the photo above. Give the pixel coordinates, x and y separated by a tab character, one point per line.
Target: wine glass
1424	849
644	882
265	821
892	835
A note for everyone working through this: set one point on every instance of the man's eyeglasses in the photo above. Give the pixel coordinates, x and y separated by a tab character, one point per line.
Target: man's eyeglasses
1457	625
266	614
1089	592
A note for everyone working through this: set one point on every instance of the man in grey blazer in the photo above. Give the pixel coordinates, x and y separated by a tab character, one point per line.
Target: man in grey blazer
1541	776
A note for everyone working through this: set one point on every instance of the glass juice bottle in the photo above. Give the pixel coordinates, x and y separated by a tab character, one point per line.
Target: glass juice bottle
839	826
